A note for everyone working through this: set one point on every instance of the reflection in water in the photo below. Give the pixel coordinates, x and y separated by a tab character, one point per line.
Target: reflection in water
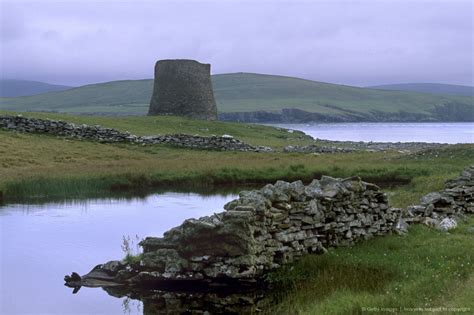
133	195
131	306
39	244
172	302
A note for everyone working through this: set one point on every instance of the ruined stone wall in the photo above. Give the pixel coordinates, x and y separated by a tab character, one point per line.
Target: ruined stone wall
183	88
109	135
445	208
260	231
331	146
267	228
264	229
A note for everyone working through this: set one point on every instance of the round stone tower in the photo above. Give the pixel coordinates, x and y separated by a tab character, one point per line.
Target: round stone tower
183	88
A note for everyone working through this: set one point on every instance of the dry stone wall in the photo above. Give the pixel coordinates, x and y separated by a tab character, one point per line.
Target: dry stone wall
442	210
331	146
273	226
260	231
109	135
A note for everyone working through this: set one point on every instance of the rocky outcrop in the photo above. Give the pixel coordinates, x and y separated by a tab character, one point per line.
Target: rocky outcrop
442	210
259	232
183	88
109	135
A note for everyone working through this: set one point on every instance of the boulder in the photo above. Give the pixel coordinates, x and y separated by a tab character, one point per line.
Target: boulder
447	224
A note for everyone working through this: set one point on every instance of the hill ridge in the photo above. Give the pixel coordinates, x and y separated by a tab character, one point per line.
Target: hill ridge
17	88
430	88
246	96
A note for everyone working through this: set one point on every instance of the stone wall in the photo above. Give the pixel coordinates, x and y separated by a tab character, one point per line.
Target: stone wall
332	146
109	135
183	88
442	210
260	231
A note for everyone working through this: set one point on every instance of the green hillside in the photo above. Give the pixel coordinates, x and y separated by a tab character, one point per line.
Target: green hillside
15	88
432	88
247	93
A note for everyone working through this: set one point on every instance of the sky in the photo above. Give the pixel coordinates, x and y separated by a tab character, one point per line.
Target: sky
347	42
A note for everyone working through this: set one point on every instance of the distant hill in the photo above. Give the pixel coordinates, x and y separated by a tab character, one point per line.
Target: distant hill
432	88
261	98
15	88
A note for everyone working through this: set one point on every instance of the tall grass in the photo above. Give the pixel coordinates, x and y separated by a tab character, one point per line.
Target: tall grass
33	166
425	269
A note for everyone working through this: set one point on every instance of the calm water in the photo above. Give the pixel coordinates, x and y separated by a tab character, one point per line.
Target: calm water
389	132
39	244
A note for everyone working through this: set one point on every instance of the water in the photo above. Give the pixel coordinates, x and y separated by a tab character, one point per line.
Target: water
42	243
389	132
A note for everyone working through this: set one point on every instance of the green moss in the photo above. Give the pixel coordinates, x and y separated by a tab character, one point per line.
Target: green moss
132	259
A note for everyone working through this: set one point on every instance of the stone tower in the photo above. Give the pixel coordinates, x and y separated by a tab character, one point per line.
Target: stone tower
183	88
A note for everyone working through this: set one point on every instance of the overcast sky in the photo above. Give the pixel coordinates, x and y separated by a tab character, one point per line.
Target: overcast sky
350	42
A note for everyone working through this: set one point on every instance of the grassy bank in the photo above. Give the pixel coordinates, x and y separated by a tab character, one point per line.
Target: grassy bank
33	165
393	274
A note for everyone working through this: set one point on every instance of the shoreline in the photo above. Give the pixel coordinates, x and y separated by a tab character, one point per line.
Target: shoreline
50	165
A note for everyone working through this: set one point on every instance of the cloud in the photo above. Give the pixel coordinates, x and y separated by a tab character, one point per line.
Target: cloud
360	43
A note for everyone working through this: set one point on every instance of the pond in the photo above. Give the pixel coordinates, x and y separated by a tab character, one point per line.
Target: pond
40	244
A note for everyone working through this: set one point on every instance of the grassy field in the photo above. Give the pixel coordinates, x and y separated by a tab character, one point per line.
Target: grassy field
425	270
240	92
154	125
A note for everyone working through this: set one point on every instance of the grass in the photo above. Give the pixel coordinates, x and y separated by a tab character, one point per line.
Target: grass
240	92
426	269
145	126
43	166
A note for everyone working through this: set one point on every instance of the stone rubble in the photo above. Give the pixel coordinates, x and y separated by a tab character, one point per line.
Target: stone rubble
312	148
261	231
109	135
442	210
332	146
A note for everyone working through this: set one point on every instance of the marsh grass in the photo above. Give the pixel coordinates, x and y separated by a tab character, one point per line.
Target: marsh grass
131	249
425	269
40	166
